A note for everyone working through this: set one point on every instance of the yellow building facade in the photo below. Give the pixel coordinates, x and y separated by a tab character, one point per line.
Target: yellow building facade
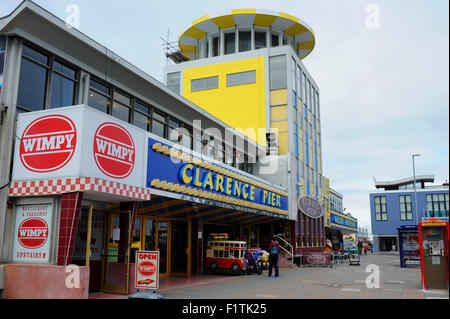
245	68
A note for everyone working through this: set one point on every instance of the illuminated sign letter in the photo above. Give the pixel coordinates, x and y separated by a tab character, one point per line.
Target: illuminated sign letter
218	183
183	176
207	181
245	191
197	178
228	186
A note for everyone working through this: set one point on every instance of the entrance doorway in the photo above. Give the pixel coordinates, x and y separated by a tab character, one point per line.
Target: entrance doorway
179	248
156	238
116	257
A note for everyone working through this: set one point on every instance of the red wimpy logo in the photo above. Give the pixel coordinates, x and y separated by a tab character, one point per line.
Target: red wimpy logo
114	150
48	143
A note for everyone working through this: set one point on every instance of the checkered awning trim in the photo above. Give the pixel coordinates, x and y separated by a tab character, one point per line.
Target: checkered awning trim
70	185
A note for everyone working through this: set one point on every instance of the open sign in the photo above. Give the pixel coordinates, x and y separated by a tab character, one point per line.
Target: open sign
147	270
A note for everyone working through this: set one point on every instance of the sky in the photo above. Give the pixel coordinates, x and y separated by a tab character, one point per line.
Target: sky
381	67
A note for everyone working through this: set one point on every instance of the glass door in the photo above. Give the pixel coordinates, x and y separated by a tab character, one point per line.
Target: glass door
156	239
179	248
116	253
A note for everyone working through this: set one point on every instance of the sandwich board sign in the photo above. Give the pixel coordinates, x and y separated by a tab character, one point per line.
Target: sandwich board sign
147	270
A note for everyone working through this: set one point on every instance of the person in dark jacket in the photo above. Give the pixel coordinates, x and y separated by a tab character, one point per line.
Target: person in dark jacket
274	252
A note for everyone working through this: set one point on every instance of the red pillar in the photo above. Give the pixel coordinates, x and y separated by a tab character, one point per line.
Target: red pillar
68	224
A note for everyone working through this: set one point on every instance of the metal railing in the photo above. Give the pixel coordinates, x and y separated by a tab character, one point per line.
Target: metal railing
291	252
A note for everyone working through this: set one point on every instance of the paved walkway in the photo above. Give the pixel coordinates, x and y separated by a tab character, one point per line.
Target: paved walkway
342	282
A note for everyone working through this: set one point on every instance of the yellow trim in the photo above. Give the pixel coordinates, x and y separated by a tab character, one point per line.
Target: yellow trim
307	45
343	227
295	30
224	22
264	20
289	17
195	33
243	11
200	20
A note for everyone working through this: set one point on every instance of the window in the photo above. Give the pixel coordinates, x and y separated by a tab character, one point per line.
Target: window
275	40
99	96
245	43
405	207
260	40
230	43
205	84
159	124
215	46
299	85
43	75
296	139
306	149
121	107
174	131
293	78
315	156
173	81
304	88
437	205
380	208
141	117
241	78
278	78
63	85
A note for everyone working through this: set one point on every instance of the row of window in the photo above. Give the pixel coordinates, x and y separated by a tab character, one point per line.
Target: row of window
240	40
228	253
48	82
436	203
212	82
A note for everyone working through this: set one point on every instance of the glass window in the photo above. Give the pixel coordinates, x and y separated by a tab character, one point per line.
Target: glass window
100	87
98	101
173	81
241	78
215	44
34	55
121	112
245	41
63	91
64	69
205	84
275	40
32	85
158	124
260	40
278	78
141	120
230	43
380	208
405	207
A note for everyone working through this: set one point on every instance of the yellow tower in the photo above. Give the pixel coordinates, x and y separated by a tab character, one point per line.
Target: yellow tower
244	67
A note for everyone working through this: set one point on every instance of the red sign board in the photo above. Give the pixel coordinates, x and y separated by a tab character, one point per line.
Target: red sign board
114	150
32	233
48	143
147	270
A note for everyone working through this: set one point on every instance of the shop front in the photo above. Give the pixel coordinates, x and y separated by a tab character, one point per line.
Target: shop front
91	190
337	226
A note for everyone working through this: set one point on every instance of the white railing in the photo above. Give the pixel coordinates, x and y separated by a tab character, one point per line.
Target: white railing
291	252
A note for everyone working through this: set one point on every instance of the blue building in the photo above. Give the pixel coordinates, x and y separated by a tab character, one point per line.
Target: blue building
393	205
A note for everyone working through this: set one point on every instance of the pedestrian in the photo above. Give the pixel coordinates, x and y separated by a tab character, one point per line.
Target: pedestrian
274	251
365	249
360	244
371	248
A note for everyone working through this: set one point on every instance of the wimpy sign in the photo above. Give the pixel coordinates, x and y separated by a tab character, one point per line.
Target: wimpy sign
32	233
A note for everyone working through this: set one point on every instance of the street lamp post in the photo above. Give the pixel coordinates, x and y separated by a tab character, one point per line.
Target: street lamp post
415	194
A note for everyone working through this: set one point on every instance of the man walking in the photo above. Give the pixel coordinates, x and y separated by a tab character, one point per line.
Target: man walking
274	251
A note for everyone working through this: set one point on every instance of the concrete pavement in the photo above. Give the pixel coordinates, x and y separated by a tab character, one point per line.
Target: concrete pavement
342	282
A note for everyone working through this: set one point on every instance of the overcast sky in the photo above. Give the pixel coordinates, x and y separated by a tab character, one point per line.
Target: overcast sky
383	82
